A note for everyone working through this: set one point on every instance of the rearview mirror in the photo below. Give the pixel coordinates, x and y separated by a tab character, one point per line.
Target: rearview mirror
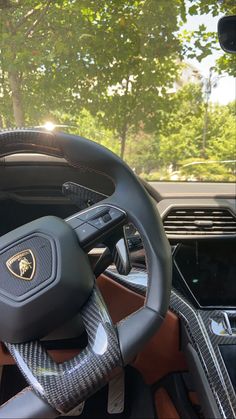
227	33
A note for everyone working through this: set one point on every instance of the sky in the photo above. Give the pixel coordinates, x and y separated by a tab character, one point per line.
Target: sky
225	91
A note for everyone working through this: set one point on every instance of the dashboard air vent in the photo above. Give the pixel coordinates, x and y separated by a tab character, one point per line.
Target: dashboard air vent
199	221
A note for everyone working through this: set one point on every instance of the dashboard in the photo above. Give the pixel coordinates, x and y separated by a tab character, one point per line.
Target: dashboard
200	222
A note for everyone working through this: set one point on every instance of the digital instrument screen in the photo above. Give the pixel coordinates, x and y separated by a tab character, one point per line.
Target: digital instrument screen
209	270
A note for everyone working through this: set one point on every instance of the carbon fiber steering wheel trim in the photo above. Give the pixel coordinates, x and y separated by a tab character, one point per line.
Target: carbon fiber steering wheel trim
65	385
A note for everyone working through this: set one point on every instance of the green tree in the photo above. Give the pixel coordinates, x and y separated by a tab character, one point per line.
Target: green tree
88	126
180	141
110	65
200	43
114	59
134	62
181	137
18	47
142	152
40	61
221	143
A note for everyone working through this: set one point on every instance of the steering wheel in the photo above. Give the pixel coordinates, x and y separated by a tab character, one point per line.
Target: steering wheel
46	278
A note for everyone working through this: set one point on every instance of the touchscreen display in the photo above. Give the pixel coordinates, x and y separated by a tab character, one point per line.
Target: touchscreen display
209	270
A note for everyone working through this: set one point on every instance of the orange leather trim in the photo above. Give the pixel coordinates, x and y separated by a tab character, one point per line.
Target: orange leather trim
193	397
62	355
164	405
56	354
120	301
160	356
5	357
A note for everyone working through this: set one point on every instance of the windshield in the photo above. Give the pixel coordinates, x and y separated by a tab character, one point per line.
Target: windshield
147	79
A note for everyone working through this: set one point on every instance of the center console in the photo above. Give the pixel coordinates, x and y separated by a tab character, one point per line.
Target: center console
204	298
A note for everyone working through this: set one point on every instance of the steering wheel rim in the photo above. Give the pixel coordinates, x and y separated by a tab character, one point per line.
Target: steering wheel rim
128	337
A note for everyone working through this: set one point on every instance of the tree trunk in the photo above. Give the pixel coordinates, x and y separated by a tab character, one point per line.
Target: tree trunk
125	125
15	86
122	146
123	140
204	132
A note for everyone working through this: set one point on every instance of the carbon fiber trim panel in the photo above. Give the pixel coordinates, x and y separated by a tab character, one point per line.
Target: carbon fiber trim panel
29	140
206	344
65	385
81	196
204	340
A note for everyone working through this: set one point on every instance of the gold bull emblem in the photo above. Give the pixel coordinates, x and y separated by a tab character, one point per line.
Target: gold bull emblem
22	265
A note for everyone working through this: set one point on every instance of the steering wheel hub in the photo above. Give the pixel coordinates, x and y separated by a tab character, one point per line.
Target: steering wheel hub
45	278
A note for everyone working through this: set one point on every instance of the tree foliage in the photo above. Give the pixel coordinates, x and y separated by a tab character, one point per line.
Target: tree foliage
71	53
200	43
175	151
109	68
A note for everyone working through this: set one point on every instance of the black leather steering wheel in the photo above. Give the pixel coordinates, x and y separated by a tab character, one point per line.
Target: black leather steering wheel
46	278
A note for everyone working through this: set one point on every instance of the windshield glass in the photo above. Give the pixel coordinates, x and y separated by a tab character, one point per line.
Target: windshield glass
147	79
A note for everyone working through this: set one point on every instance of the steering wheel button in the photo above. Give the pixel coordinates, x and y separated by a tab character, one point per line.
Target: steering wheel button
101	212
75	222
116	214
98	223
106	217
93	213
85	232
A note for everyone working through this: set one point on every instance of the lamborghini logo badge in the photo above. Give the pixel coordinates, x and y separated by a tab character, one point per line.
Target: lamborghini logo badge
22	265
